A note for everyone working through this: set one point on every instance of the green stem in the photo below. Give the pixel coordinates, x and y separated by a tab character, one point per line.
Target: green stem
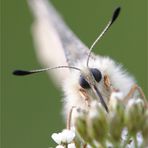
91	144
135	141
103	144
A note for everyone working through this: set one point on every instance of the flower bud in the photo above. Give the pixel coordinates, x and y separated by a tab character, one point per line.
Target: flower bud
97	123
116	122
134	115
115	98
81	126
145	128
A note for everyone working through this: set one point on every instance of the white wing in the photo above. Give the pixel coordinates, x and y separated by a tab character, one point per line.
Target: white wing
55	43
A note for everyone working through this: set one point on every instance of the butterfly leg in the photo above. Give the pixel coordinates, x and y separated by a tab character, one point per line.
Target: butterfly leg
69	116
133	89
84	95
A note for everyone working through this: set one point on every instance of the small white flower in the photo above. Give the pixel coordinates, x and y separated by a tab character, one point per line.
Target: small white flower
117	95
88	146
135	101
72	145
60	146
57	137
109	144
115	98
93	112
131	102
66	136
139	101
124	134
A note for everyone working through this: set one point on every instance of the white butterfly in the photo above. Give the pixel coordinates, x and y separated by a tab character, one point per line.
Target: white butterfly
86	76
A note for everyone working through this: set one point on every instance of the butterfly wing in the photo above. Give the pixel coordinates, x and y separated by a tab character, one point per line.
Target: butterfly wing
73	48
55	43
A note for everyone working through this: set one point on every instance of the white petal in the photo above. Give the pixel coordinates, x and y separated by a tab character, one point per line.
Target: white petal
88	146
60	146
57	137
140	101
131	102
67	136
117	95
72	145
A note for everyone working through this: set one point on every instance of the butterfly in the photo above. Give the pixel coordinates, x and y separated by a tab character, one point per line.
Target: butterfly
84	76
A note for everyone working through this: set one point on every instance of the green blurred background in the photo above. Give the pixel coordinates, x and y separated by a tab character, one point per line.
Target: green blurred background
31	106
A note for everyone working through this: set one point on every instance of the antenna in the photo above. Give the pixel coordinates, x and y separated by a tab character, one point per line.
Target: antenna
25	72
114	17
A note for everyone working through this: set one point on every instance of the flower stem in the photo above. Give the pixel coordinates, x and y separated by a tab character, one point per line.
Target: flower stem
135	141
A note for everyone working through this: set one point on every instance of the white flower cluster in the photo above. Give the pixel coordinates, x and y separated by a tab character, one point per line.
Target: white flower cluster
63	138
96	128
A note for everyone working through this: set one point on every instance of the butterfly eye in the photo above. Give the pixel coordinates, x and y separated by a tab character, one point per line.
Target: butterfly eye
83	83
96	73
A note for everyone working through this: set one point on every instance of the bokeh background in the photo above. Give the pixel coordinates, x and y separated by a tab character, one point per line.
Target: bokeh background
31	106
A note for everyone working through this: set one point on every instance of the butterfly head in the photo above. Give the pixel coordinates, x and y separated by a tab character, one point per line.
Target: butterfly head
89	80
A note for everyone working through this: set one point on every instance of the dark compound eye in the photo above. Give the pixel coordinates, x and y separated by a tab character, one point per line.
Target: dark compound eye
83	83
96	73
